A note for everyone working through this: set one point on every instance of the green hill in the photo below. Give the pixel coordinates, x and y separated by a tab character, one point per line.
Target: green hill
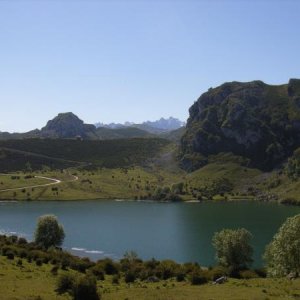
62	152
104	133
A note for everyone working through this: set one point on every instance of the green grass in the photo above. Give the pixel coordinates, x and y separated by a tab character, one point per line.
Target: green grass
6	181
28	282
124	183
234	289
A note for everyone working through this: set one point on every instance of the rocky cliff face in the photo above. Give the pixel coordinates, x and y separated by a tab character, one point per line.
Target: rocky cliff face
67	125
253	119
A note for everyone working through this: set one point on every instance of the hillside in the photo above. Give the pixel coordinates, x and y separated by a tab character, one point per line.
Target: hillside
104	133
108	153
257	121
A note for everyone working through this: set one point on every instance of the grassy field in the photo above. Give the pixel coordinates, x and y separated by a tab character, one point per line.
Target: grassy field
221	180
31	282
125	183
134	169
20	180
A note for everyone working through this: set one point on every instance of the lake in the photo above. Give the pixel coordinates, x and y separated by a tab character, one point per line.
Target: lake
178	231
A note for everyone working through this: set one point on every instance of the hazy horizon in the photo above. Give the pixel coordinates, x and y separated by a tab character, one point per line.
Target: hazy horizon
117	61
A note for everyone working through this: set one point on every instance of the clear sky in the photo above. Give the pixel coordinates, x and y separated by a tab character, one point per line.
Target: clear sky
116	61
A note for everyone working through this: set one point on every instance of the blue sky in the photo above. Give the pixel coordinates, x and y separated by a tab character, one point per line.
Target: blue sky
116	61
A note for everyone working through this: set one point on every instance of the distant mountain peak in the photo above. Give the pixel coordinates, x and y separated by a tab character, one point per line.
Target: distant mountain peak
66	125
161	125
167	124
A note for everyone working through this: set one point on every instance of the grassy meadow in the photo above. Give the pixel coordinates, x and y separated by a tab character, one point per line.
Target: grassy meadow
31	282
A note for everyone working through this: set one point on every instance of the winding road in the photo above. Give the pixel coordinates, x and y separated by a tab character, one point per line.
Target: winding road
54	181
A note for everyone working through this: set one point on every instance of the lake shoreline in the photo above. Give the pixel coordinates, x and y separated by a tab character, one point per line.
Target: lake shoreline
179	231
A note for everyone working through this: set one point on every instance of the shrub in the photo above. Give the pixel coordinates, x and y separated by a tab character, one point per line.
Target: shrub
166	269
129	276
115	279
65	283
198	277
10	255
85	288
180	276
261	272
110	267
19	262
98	272
248	274
22	241
54	270
39	262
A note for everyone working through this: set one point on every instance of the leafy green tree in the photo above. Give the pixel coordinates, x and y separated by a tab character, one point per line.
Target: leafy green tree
49	232
283	253
233	249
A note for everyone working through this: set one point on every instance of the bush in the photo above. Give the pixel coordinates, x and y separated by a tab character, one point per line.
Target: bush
10	255
129	276
54	270
98	272
110	267
248	274
261	272
85	288
115	279
180	276
19	262
22	241
198	277
39	262
65	283
166	269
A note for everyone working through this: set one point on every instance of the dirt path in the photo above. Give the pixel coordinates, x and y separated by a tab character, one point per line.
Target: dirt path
54	181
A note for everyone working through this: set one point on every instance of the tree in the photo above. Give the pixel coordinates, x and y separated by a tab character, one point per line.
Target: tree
282	255
48	232
233	249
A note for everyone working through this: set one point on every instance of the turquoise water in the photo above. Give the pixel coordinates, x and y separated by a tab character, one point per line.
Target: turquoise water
178	231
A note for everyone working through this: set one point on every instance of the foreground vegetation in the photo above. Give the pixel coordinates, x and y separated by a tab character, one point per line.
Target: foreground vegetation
16	280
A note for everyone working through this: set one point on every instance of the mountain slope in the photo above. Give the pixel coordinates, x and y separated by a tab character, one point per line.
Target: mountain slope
67	125
255	120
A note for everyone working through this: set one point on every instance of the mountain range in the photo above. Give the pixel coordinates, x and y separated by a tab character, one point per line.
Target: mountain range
68	125
155	127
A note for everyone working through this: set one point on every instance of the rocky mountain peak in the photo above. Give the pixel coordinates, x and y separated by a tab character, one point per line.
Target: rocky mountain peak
251	119
66	125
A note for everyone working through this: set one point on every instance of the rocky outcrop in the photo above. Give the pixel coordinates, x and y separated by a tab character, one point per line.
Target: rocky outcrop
67	125
252	119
